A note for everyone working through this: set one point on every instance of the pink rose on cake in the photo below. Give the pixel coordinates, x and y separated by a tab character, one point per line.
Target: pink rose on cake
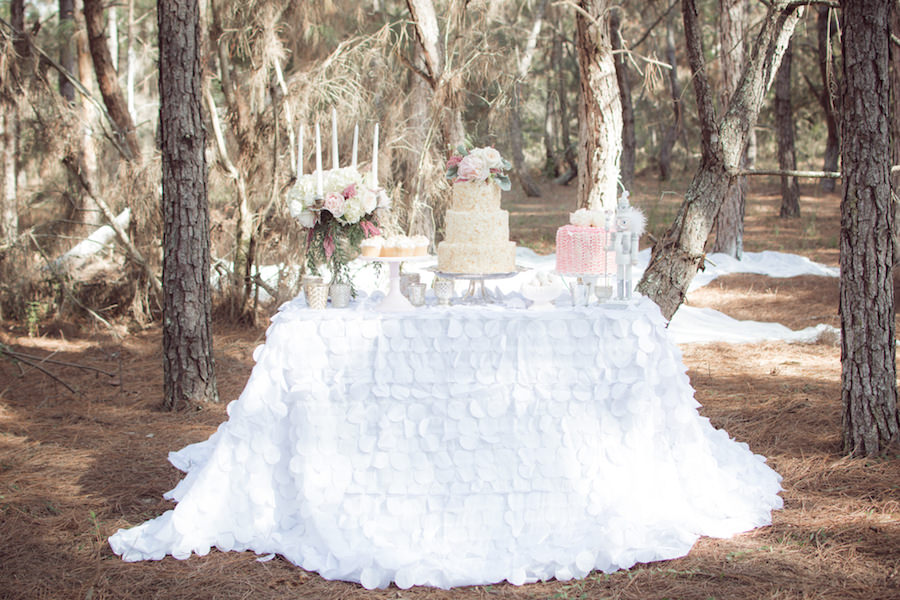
479	164
473	168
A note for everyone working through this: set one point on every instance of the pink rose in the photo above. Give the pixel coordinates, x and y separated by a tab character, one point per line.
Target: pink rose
454	161
349	191
334	203
473	168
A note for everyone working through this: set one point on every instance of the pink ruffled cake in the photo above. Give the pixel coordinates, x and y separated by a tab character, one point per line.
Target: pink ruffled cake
583	248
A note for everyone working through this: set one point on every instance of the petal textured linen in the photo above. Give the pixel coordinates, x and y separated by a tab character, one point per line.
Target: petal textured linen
460	446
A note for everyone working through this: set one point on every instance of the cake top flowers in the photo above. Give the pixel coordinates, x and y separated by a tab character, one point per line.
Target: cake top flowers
479	164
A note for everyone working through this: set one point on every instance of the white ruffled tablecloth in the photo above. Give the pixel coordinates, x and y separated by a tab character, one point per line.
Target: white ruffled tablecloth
462	445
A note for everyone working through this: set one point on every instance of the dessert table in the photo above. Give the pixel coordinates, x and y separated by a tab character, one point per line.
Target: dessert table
462	445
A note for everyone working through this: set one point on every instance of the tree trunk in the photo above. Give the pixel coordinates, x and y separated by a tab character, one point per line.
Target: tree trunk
66	53
130	62
189	368
626	163
868	347
444	105
9	210
732	29
677	256
562	96
825	28
551	164
895	118
516	138
107	79
784	132
674	130
9	122
600	109
90	212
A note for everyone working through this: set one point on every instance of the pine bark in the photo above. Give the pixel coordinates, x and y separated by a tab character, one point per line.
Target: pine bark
600	109
674	130
629	143
680	252
825	29
107	79
868	348
9	128
732	29
189	368
66	51
784	133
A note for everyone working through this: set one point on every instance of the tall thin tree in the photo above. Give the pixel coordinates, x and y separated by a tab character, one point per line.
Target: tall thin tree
871	421
678	255
600	110
733	18
784	134
189	368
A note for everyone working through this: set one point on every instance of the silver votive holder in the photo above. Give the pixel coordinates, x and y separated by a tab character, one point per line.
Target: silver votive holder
317	295
306	281
416	293
340	295
405	280
443	289
581	294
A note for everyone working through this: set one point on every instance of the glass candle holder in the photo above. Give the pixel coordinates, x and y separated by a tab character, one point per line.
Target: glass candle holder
416	292
443	289
581	294
317	295
340	295
306	281
405	280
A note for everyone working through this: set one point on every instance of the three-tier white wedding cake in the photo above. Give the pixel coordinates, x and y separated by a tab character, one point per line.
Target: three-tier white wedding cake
476	238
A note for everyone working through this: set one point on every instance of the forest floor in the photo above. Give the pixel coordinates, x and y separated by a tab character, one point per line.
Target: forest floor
75	467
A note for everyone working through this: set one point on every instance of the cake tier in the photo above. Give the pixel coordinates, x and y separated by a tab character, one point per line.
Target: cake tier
475	195
583	250
476	226
477	259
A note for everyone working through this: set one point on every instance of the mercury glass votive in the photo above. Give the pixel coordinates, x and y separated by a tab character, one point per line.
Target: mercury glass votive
340	295
405	280
306	281
416	293
443	289
317	295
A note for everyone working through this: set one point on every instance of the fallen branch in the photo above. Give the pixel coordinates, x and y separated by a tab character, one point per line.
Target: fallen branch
132	251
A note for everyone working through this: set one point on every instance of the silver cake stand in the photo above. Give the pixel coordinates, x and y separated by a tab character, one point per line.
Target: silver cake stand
477	293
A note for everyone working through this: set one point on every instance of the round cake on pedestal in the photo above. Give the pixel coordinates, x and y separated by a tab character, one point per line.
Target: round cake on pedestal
477	232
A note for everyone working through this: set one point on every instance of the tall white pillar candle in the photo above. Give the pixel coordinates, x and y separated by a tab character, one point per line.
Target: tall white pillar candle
334	145
375	158
355	144
320	187
300	152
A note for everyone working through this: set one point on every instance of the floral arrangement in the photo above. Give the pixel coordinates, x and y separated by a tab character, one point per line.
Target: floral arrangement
479	164
338	221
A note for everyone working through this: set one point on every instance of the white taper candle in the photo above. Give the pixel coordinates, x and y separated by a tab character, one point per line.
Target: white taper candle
355	144
320	186
334	144
300	152
375	158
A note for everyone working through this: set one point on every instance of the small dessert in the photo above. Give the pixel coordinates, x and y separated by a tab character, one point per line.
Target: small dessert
371	246
420	245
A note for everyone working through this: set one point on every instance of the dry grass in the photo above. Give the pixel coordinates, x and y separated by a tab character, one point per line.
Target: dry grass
75	468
